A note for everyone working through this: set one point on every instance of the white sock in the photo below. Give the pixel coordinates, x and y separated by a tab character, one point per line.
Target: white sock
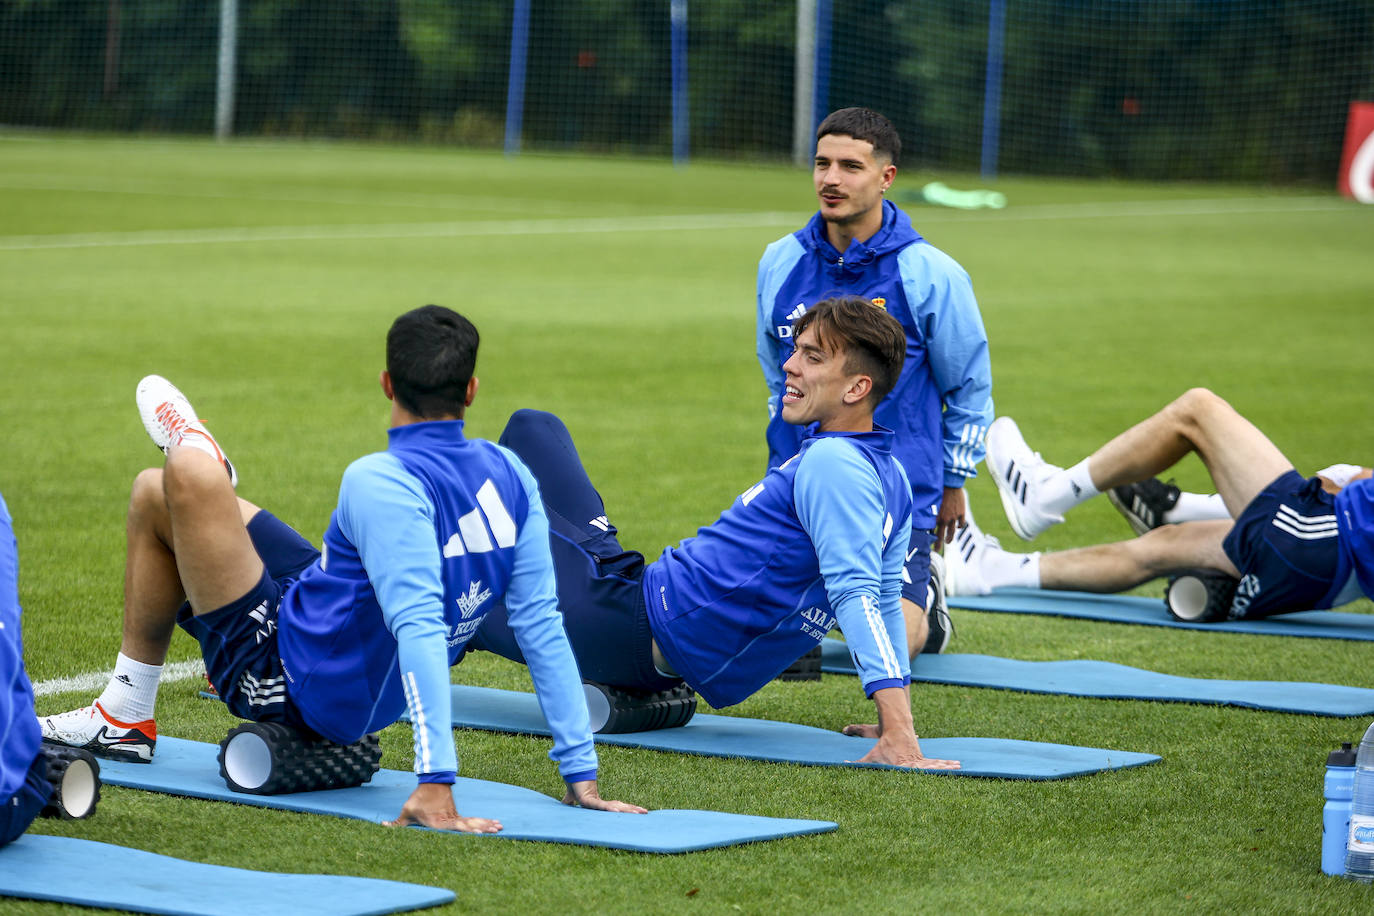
132	691
1062	491
1197	507
1001	568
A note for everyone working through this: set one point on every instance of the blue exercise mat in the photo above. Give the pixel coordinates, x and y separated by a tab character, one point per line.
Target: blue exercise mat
190	768
1151	612
87	873
783	742
1105	680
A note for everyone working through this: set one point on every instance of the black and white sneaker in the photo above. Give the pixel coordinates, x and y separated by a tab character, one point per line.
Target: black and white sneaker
1143	504
937	612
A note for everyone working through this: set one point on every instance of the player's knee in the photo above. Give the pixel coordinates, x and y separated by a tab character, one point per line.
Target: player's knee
1196	407
188	473
527	425
146	492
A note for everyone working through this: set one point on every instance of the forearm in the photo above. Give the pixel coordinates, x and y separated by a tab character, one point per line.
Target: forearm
894	712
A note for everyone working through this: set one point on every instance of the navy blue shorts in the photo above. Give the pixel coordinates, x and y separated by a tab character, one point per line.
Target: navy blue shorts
19	810
916	571
598	580
239	640
1285	545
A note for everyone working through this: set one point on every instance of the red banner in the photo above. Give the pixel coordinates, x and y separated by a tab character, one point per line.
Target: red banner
1357	159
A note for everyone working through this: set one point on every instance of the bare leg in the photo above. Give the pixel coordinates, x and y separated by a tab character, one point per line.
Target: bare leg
917	626
214	555
153	589
1240	458
1126	564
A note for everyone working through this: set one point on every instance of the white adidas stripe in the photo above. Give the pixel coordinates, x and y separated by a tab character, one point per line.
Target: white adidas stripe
1306	535
1307	522
880	636
424	757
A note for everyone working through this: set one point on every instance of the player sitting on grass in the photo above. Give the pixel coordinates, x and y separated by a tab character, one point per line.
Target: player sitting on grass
426	537
820	540
1293	544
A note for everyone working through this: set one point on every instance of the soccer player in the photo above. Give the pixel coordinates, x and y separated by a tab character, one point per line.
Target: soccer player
820	540
426	537
24	787
1294	544
859	243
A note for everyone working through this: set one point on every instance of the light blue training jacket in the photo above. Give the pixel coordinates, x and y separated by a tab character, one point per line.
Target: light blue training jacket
426	536
941	407
820	540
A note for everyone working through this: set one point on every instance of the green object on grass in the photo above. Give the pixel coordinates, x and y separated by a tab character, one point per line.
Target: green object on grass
942	195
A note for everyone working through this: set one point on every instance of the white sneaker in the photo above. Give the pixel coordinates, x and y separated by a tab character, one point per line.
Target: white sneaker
168	416
963	560
91	728
1018	473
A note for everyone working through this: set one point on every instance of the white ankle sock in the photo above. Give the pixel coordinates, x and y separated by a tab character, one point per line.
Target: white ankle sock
1001	568
1197	507
1062	491
132	691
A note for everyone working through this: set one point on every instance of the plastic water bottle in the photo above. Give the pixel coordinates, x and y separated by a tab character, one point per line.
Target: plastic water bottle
1340	781
1359	846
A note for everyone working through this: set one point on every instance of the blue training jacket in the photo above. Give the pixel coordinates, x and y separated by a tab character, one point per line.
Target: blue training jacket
19	733
809	546
426	536
1355	523
942	404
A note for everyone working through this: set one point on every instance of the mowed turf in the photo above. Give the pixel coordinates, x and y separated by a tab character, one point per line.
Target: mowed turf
619	293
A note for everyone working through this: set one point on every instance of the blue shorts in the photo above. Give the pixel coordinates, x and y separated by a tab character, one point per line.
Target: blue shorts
19	810
239	640
916	571
1285	545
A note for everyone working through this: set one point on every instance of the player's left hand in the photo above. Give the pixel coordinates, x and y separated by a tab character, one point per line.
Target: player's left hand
584	794
951	517
897	753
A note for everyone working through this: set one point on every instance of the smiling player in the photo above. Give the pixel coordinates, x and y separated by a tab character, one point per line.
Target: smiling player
820	541
939	409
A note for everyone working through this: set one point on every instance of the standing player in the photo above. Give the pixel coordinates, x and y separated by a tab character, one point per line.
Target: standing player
1293	544
24	788
426	537
820	540
861	244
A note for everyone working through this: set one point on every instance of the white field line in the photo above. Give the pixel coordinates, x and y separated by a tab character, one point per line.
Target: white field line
152	188
94	681
703	222
470	228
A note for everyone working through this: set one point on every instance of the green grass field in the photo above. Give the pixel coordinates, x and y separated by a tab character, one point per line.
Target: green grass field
619	293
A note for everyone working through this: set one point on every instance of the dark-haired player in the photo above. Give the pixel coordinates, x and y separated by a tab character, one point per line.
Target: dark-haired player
427	536
820	540
859	243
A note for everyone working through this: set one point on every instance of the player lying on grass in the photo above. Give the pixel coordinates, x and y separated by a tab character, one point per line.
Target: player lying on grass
820	540
426	536
1293	544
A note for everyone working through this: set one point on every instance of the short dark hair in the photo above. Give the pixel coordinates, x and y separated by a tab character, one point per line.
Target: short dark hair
864	124
431	352
874	343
